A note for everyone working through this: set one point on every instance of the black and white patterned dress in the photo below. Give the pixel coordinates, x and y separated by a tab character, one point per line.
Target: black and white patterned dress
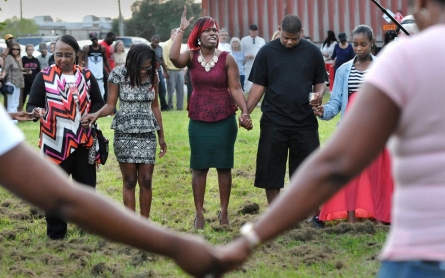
134	124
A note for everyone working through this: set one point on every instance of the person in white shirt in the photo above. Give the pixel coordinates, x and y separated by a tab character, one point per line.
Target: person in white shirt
250	44
223	37
328	46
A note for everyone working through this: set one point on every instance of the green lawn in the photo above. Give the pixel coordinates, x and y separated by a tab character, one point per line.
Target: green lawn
341	250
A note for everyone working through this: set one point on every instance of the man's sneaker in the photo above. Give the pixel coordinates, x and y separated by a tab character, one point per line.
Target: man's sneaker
316	223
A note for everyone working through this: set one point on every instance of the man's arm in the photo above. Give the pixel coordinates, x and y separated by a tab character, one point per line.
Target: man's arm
107	66
255	94
83	59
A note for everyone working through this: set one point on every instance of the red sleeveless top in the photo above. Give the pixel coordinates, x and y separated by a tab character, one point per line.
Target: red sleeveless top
211	100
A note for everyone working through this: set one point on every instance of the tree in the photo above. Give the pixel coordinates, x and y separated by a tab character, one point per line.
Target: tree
152	17
19	27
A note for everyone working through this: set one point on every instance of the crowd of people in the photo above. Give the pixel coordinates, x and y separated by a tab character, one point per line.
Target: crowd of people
377	102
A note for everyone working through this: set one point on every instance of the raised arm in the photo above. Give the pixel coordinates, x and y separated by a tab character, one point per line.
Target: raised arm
178	58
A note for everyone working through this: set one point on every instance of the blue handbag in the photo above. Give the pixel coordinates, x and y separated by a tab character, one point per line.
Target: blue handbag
7	89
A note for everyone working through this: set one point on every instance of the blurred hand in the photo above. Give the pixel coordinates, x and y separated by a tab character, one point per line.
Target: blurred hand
318	110
22	116
163	146
184	21
87	120
316	101
245	121
232	256
197	257
38	112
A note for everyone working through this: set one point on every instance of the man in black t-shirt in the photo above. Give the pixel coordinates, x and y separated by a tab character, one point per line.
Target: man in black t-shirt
285	71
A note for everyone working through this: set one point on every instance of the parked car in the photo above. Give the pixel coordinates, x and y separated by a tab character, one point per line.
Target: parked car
35	40
128	41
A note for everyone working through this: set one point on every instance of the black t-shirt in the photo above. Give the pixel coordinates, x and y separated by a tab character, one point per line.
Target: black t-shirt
288	76
32	64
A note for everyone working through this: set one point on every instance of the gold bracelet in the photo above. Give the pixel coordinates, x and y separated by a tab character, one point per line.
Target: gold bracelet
179	30
245	115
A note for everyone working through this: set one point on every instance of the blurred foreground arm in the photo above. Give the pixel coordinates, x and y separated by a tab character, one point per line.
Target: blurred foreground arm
353	146
51	190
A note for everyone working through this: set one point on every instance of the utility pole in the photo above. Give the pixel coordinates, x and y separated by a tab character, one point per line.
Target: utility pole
21	17
121	20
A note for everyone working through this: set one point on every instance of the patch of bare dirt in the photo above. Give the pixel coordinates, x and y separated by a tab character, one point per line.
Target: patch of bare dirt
252	208
366	227
8	235
142	257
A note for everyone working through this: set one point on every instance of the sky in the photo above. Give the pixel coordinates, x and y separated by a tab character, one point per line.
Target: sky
67	10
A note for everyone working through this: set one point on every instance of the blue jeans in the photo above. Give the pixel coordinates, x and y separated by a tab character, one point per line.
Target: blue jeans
414	269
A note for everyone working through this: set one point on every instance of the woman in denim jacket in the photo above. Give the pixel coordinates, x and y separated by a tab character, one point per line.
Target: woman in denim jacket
369	194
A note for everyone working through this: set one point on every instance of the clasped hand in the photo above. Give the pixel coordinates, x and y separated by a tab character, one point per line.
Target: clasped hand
200	259
245	121
316	105
87	120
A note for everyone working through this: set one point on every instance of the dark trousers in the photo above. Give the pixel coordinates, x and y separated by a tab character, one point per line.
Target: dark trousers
275	146
77	166
26	91
162	91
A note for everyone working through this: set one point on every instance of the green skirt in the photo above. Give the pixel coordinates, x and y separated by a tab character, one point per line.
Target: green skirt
212	143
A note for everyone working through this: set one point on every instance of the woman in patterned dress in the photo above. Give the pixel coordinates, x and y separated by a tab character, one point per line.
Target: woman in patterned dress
135	123
59	96
212	110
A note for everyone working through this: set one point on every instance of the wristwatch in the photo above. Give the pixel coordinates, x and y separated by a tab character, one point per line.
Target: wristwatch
248	232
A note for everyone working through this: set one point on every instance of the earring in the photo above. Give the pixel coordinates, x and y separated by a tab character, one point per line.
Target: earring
199	42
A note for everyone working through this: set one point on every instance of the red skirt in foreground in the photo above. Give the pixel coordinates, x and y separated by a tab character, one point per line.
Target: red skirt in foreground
369	194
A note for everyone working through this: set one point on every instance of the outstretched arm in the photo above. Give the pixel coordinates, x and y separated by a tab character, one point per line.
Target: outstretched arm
347	153
51	190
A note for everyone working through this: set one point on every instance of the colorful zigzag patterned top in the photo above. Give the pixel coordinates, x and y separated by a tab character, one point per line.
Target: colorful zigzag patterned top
60	129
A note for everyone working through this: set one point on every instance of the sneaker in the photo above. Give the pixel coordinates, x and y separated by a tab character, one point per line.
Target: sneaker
316	223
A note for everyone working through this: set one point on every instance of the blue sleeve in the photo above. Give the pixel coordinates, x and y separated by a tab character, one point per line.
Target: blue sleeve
333	107
351	52
334	55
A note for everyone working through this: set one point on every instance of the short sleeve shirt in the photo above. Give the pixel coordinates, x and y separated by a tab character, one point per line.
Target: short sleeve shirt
288	76
135	114
10	135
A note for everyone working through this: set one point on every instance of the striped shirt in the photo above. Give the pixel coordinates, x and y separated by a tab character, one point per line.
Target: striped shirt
355	79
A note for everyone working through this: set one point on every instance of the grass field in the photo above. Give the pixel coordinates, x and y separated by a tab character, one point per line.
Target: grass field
340	250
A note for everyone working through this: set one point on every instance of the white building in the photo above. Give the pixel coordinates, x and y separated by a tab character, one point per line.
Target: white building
79	30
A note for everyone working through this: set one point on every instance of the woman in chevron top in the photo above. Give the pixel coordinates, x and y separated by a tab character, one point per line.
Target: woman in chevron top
59	96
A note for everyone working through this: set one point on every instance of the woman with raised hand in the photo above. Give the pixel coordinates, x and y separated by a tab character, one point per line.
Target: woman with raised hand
211	109
135	124
60	95
405	106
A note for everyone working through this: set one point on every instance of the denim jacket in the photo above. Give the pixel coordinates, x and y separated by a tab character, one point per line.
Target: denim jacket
340	95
